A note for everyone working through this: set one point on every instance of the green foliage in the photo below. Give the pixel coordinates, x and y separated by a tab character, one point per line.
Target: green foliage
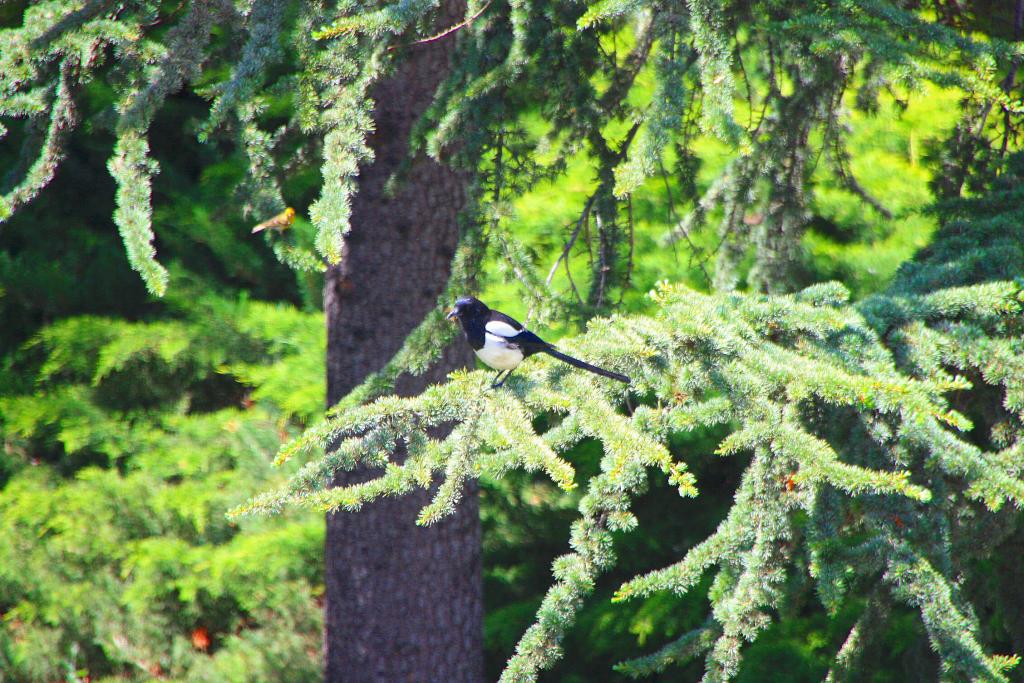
772	145
858	457
133	172
131	442
803	63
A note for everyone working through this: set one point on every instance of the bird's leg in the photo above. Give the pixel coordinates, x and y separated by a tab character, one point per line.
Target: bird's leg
495	384
508	373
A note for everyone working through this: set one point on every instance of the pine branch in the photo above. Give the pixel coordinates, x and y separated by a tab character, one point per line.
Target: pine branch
761	364
133	171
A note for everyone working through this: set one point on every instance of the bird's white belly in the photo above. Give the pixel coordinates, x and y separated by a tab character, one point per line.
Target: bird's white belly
497	354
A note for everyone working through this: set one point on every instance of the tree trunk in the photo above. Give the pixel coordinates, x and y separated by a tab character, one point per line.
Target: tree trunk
403	603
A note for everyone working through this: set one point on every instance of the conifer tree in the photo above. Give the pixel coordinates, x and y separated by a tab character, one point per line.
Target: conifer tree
883	434
383	573
863	478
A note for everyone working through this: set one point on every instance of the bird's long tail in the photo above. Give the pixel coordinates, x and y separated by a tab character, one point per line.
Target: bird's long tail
576	362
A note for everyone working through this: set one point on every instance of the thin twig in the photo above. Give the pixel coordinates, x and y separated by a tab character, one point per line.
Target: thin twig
584	215
572	283
607	239
746	82
602	266
160	20
772	88
850	181
589	242
1011	76
448	31
694	250
623	79
831	124
629	259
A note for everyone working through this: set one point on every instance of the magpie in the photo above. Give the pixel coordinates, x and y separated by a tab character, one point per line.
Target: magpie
502	343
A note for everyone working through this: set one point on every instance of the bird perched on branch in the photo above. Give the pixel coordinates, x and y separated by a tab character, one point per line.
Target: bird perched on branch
280	222
502	343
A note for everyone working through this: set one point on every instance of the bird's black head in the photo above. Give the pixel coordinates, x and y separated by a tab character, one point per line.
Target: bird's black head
468	308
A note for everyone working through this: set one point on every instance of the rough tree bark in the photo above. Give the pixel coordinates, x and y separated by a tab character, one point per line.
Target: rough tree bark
403	603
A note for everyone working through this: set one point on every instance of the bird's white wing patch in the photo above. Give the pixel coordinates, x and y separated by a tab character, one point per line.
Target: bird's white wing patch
501	328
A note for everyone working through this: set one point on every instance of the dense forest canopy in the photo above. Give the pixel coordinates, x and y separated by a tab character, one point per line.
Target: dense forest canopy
802	223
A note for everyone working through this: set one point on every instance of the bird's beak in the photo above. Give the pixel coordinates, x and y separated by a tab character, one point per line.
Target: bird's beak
452	314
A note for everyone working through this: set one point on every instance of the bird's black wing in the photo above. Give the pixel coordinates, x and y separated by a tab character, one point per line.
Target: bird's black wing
507	327
515	335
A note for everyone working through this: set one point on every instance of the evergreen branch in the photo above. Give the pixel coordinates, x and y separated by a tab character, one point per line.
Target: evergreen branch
760	363
70	21
133	171
416	472
392	18
297	258
911	24
688	646
448	31
841	162
63	119
459	468
822	462
849	658
564	254
607	9
715	69
264	192
520	268
180	63
988	481
486	82
262	48
682	576
345	148
509	431
680	230
751	584
952	634
664	117
575	576
622	79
